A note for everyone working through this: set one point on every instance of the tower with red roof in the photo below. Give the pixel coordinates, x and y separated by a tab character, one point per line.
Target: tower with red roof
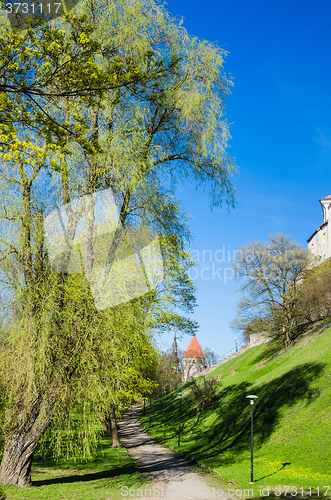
193	360
319	243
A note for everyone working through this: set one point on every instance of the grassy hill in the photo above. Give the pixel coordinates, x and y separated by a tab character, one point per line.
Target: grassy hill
292	417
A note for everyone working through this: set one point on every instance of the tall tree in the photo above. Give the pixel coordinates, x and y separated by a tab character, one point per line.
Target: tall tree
271	274
148	112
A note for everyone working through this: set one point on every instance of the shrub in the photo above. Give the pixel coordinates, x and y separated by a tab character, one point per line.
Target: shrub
203	392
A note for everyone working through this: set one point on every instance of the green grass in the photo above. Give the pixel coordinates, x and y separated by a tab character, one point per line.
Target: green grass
292	419
99	479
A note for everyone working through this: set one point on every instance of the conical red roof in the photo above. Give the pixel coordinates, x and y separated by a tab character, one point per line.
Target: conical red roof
194	350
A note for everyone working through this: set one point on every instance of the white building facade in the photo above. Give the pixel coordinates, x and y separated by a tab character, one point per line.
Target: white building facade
319	244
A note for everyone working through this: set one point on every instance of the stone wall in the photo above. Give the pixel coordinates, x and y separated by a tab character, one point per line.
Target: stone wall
258	339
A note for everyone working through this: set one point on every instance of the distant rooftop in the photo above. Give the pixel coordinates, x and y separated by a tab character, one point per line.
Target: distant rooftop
194	350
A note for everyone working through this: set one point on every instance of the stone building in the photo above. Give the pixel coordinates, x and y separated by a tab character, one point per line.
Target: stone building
193	360
319	243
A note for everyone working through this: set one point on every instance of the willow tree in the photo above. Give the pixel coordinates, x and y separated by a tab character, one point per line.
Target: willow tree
149	114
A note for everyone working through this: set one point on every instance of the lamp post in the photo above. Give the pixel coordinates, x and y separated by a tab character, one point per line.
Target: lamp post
144	407
213	359
150	412
251	398
236	345
180	408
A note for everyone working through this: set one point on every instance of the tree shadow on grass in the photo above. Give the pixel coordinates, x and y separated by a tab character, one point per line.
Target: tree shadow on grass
225	393
231	432
93	476
165	411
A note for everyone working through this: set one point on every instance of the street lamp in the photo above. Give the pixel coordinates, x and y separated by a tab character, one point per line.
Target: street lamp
251	398
236	345
144	407
180	408
150	412
213	359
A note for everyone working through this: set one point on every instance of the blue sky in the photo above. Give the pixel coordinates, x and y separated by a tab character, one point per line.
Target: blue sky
280	111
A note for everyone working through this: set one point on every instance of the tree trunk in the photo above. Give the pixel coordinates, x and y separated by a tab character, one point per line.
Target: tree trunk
110	425
20	445
17	459
114	431
286	337
107	426
105	422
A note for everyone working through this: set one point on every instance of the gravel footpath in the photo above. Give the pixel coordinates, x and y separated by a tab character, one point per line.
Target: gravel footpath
171	476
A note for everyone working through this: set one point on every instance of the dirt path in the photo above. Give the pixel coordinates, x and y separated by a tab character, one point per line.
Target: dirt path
171	475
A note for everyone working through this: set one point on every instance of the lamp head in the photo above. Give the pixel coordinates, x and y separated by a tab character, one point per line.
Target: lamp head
180	394
251	397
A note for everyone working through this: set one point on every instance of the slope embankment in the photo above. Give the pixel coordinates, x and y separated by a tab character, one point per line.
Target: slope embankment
292	418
